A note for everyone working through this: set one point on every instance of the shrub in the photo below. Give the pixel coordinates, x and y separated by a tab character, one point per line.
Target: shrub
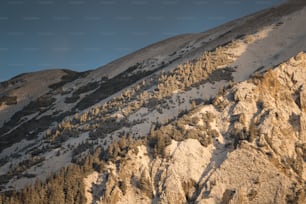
145	185
8	100
249	39
123	186
158	141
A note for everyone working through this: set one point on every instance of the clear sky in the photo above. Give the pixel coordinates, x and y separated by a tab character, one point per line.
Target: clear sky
85	34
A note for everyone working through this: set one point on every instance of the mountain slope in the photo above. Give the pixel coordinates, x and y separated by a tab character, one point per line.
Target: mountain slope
214	117
80	91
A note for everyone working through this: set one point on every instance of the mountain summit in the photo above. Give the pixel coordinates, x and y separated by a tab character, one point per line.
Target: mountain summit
212	117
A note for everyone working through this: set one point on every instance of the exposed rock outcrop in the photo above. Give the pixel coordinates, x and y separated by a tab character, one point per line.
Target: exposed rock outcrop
258	158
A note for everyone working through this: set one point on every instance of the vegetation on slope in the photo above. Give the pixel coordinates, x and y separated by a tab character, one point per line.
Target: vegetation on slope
269	93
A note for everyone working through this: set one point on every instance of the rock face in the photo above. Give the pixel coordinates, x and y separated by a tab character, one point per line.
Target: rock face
258	157
218	118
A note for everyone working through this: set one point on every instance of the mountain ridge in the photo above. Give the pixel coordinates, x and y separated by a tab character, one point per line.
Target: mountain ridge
178	126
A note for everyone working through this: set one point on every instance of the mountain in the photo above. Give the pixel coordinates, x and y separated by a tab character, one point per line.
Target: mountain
212	117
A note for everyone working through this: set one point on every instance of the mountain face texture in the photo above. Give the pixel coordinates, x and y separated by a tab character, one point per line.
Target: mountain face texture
213	117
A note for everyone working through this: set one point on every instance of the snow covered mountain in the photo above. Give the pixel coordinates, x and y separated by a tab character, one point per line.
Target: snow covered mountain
213	117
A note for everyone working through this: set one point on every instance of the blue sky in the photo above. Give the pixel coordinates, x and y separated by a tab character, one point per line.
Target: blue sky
82	35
